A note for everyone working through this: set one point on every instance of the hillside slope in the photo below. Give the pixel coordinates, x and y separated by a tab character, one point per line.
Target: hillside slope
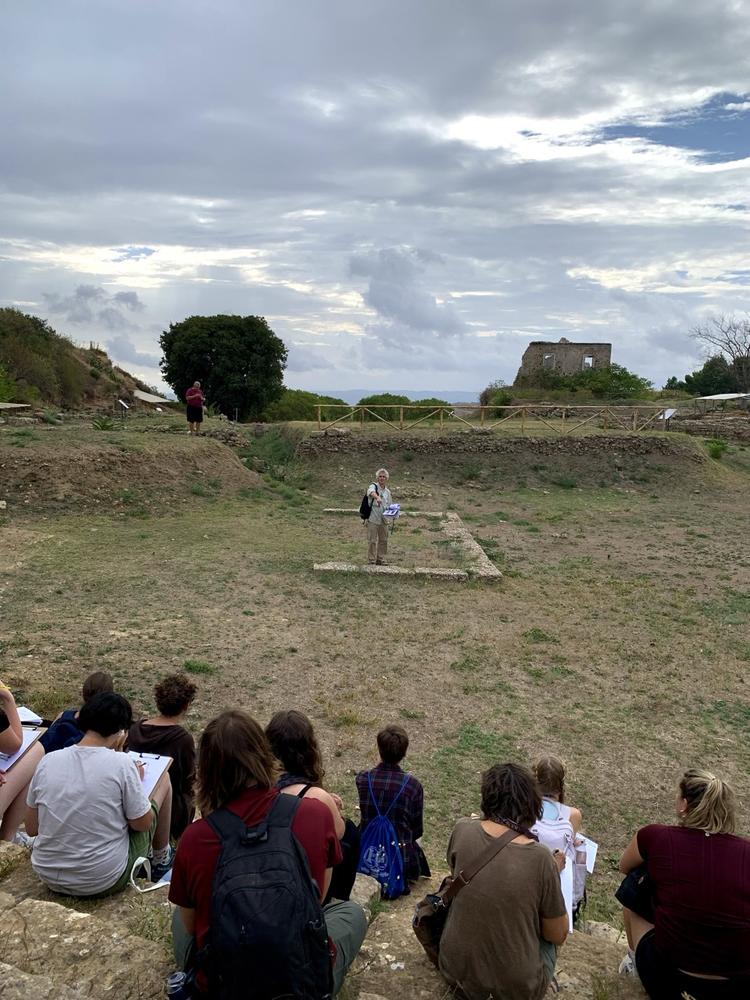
41	367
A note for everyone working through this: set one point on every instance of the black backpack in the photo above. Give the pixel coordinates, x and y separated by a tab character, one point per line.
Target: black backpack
268	938
365	508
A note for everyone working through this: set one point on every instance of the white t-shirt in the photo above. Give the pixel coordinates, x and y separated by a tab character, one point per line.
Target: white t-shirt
85	797
376	514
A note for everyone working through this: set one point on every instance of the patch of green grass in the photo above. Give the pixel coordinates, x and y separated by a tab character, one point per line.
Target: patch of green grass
732	609
345	719
538	635
198	490
467	664
154	923
410	713
198	667
716	448
565	482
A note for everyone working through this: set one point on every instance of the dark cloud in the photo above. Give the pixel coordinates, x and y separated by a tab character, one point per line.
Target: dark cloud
93	304
303	358
124	352
396	293
408	173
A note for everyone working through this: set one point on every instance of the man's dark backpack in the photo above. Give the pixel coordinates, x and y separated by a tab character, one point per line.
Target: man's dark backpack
365	508
267	937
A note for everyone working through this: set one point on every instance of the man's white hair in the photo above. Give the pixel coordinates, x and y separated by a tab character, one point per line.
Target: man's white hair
385	471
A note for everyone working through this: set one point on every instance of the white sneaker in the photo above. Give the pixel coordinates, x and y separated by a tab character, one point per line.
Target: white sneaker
22	838
627	965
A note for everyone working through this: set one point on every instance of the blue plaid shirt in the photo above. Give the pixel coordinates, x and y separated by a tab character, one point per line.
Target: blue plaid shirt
406	815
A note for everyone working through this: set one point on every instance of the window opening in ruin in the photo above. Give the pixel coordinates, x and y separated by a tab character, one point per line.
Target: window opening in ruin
548	362
588	362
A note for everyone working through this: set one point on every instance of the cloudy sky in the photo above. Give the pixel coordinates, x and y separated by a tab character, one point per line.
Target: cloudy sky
408	190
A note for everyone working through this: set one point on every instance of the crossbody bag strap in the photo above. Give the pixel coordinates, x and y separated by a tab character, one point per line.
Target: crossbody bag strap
466	875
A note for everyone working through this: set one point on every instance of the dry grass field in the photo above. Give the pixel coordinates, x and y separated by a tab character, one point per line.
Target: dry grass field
619	637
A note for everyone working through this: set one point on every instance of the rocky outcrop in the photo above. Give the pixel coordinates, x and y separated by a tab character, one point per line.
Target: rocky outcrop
392	963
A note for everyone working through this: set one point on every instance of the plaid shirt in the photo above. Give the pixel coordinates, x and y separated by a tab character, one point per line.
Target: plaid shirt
406	815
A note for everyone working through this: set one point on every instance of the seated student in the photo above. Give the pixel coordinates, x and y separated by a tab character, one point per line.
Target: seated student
293	742
406	815
166	734
65	731
15	782
89	812
235	790
503	929
686	900
559	824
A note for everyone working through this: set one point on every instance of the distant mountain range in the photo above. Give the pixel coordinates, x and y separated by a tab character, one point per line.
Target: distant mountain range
354	395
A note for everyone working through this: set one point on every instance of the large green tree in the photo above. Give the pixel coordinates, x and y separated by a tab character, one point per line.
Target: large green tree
716	376
238	360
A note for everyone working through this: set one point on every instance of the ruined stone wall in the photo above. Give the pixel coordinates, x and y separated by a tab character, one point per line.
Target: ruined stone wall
561	358
485	442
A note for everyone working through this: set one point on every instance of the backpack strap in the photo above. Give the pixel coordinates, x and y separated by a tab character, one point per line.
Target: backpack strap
466	875
227	824
395	797
303	791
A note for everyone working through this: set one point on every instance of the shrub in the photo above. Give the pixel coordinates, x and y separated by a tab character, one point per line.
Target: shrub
103	424
716	448
387	399
419	414
298	404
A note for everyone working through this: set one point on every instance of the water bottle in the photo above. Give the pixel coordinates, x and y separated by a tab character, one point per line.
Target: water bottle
177	988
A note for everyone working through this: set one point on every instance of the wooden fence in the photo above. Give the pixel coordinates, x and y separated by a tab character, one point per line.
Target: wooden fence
559	418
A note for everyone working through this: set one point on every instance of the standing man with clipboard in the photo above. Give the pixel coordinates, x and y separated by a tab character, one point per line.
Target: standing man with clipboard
377	530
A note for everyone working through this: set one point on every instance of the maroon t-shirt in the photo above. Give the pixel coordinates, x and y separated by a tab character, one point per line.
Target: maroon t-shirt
199	848
701	898
194	396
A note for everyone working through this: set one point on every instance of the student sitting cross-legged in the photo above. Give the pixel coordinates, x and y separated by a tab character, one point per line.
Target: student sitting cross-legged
89	811
249	877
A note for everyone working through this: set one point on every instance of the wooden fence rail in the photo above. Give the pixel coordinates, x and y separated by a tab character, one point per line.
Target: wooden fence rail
559	418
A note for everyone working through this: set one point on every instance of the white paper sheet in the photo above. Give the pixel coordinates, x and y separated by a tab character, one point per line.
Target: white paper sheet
566	884
591	848
28	717
154	765
30	736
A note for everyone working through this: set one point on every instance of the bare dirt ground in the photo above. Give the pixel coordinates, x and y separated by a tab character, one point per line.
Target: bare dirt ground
619	637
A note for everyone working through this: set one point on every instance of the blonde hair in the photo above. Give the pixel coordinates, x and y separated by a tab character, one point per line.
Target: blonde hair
549	773
387	473
710	802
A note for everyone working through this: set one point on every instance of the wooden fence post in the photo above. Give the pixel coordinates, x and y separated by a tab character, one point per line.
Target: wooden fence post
401	418
318	409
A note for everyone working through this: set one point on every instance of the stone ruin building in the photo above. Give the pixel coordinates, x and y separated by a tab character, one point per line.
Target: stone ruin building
562	358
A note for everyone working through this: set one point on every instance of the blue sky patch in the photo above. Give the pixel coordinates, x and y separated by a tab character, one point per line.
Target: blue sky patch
722	133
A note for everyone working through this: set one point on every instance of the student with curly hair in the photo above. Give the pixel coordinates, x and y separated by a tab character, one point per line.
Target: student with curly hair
686	898
503	929
166	734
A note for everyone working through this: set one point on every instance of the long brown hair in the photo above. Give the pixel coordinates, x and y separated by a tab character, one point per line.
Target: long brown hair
292	739
550	777
233	755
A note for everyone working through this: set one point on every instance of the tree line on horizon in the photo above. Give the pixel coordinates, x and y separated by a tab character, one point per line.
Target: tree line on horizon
240	363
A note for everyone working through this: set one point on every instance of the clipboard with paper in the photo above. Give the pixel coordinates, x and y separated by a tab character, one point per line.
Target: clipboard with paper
30	735
154	766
